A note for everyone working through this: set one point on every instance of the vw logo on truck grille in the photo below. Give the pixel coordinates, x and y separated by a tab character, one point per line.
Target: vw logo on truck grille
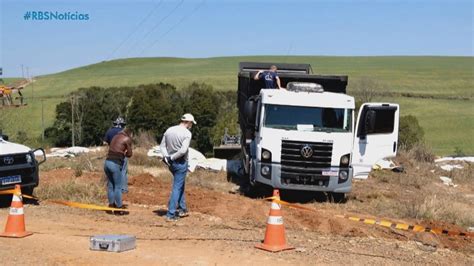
306	151
8	160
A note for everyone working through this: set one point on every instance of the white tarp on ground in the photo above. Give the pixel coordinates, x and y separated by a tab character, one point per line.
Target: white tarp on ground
196	159
447	181
384	164
448	159
71	151
451	163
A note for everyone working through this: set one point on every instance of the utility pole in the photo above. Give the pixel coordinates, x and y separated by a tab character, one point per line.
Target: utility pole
22	71
72	121
42	120
32	86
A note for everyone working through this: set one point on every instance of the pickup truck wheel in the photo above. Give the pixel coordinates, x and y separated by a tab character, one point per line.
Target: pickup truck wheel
5	201
337	197
28	191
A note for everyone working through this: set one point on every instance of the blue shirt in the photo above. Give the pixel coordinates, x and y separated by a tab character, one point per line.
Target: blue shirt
270	79
111	134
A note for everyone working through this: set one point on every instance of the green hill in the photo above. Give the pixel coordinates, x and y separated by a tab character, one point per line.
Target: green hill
437	83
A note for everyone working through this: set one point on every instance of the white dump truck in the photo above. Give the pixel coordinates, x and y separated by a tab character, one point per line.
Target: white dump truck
306	137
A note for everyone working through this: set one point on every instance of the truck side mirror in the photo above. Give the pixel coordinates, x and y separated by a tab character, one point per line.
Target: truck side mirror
4	137
250	111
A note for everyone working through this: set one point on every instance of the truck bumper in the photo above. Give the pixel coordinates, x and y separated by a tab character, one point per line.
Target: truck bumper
29	176
330	183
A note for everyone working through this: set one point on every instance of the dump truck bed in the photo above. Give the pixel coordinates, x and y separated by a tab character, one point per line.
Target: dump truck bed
248	87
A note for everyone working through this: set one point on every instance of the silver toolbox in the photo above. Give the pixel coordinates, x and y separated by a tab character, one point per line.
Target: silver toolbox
113	243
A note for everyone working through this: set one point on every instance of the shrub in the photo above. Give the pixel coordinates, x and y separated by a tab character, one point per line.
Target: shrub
458	152
410	132
421	152
21	137
154	108
203	102
366	89
145	139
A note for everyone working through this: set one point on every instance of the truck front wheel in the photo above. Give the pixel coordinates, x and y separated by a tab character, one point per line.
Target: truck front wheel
28	191
337	197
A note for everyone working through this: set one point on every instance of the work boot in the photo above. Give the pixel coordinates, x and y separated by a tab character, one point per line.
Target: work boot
110	206
121	213
171	219
183	213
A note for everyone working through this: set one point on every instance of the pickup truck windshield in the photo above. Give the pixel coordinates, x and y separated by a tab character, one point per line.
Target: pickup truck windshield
305	118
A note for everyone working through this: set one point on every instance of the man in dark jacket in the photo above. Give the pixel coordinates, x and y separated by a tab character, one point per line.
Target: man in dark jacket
119	149
119	124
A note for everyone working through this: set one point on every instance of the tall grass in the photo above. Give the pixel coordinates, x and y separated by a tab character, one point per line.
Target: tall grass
74	190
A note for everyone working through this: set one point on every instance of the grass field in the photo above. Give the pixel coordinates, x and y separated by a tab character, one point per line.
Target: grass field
448	123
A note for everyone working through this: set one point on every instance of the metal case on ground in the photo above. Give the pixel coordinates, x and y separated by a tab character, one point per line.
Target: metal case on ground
112	243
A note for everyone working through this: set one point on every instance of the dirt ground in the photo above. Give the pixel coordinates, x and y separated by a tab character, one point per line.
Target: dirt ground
222	229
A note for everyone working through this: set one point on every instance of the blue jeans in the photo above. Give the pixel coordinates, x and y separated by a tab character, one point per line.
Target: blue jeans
177	198
125	175
113	170
253	149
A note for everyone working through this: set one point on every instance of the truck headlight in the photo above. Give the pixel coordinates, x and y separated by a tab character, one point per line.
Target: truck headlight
343	175
29	159
265	170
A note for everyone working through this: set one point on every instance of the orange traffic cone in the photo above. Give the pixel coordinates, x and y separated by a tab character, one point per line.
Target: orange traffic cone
275	239
16	219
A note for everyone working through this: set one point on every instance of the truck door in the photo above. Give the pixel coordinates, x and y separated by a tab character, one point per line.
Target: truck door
376	136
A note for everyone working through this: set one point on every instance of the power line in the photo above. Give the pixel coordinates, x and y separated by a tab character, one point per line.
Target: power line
174	26
135	29
104	70
155	27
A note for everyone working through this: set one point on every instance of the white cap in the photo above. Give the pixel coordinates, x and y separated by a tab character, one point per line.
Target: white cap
188	118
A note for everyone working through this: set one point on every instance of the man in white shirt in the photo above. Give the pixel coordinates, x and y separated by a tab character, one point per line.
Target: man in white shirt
174	146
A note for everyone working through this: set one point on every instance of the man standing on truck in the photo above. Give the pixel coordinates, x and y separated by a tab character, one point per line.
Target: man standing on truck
174	147
118	126
120	148
270	77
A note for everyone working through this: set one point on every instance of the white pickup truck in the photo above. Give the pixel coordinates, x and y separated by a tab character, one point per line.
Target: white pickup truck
18	165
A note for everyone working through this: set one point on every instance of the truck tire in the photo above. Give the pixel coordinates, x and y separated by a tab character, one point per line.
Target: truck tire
5	201
337	197
259	190
28	191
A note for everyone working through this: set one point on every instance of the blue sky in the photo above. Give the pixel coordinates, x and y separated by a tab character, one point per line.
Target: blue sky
196	28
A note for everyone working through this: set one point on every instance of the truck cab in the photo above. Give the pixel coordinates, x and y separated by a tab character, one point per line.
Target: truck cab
19	165
306	137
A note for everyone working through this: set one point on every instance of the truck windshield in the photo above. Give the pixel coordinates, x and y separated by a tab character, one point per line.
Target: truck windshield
305	118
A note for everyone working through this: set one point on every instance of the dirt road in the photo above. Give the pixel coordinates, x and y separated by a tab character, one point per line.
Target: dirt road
222	229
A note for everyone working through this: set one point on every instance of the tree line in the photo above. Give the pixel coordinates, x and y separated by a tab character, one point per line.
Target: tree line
148	108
